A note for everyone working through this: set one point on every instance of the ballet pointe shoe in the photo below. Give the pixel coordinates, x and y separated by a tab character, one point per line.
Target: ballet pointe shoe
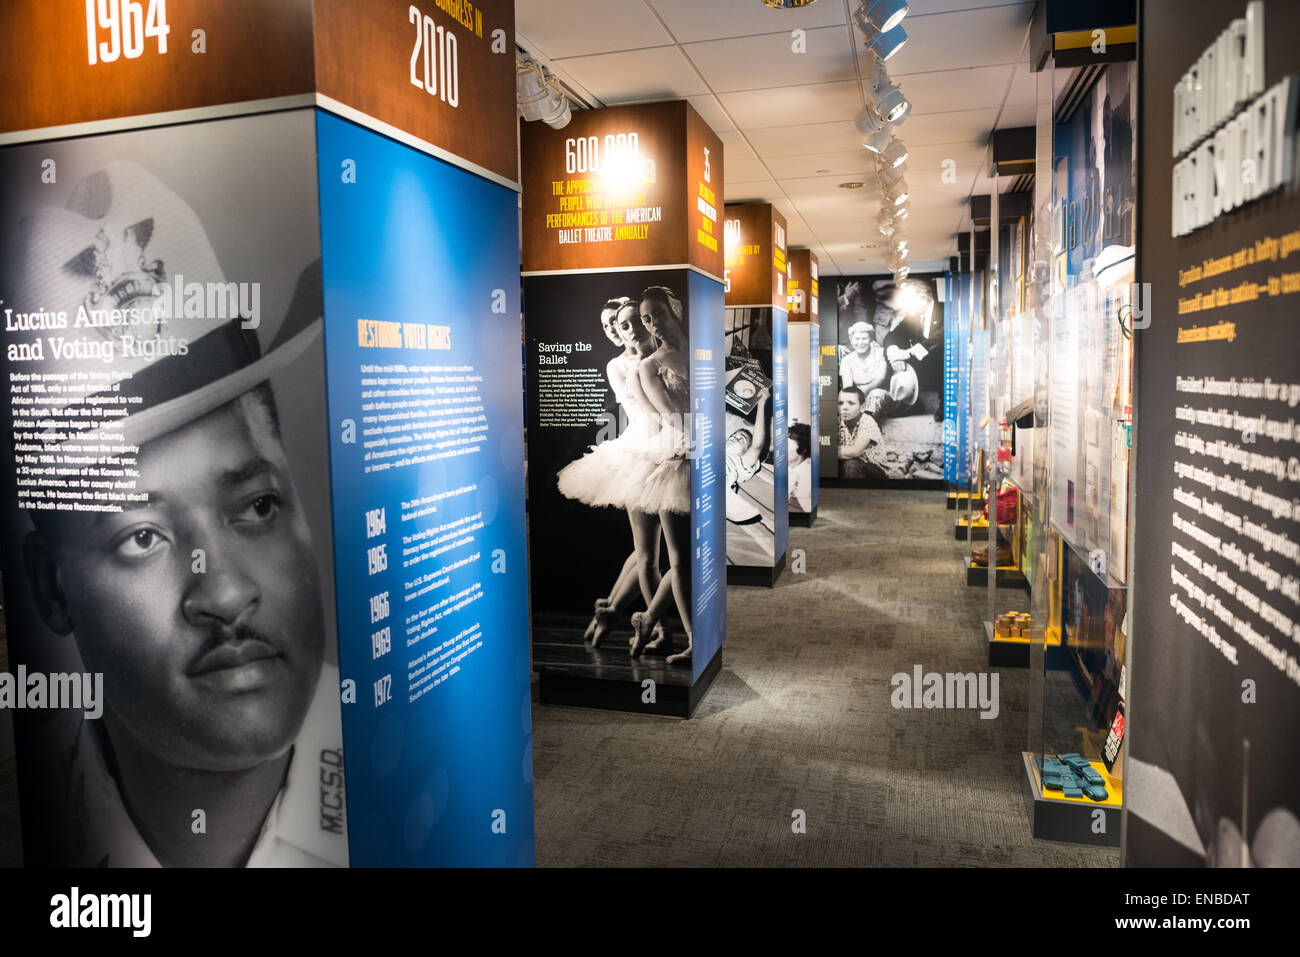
641	638
662	643
601	626
602	604
682	657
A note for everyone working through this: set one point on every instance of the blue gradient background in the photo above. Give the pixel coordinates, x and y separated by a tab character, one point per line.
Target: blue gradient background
415	239
709	512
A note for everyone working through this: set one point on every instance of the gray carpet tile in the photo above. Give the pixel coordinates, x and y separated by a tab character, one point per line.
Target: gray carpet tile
800	718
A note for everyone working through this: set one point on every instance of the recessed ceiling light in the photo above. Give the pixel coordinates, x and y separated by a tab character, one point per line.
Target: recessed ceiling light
823	171
853	185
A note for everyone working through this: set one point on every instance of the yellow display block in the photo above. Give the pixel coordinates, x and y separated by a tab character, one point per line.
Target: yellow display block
1114	789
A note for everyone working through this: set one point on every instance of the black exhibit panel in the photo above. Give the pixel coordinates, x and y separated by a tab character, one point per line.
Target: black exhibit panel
1213	768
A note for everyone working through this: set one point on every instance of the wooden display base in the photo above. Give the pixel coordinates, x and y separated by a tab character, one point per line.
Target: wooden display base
1014	652
626	694
977	576
755	575
1070	819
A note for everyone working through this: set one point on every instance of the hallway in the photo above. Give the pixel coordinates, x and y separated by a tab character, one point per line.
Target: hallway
800	718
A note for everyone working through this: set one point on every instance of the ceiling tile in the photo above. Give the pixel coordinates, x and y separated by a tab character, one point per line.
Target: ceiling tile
754	63
741	170
825	102
927	129
802	140
945	91
978	37
692	20
548	25
735	147
712	113
660	73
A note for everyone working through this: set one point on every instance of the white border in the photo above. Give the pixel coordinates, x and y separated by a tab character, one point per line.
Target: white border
248	108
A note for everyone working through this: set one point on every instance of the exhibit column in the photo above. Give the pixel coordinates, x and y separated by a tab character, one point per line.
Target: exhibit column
1211	775
623	312
803	454
256	430
758	514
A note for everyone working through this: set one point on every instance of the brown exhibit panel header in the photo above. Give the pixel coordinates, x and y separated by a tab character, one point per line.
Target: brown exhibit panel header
756	256
439	70
623	187
801	286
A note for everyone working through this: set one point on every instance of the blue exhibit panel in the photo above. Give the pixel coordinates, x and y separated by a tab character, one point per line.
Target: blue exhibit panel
421	277
814	357
708	486
780	433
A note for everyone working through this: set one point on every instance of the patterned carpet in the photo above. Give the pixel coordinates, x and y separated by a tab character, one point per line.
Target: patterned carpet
800	719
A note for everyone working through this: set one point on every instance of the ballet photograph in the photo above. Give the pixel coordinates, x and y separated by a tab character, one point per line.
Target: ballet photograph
610	479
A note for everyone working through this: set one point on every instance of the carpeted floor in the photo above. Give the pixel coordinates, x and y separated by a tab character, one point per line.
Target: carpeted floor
800	720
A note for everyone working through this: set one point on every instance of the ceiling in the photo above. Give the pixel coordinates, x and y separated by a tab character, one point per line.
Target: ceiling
787	118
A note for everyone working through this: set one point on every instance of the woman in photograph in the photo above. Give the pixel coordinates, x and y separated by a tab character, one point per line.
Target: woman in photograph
800	459
865	367
664	378
611	474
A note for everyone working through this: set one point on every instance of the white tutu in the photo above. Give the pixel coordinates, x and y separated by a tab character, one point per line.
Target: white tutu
611	474
667	484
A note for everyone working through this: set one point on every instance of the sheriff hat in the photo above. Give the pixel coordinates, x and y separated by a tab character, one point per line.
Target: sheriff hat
120	239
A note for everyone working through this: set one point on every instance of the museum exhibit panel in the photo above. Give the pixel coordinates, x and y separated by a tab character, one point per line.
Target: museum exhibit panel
623	342
803	335
757	392
406	401
261	474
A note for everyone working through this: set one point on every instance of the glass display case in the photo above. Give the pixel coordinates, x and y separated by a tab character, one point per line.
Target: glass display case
1077	298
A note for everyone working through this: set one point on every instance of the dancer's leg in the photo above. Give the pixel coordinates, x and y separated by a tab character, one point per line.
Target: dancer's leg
677	536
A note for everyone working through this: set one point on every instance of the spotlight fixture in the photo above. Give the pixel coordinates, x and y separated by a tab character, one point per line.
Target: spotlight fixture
901	212
539	96
877	141
868	121
890	102
902	271
885	221
887	43
888	175
897	192
895	154
877	16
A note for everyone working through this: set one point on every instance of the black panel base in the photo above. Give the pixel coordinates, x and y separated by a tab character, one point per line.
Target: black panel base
757	576
803	519
977	576
961	531
575	691
958	499
1077	822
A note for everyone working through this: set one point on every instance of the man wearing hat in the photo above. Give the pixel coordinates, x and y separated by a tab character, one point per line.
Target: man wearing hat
193	589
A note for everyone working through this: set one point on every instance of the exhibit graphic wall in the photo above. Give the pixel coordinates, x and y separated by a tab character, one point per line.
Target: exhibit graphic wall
803	454
891	378
1215	703
263	540
757	372
624	354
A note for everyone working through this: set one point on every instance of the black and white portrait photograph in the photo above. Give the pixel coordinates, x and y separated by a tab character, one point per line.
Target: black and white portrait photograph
610	467
181	546
890	372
